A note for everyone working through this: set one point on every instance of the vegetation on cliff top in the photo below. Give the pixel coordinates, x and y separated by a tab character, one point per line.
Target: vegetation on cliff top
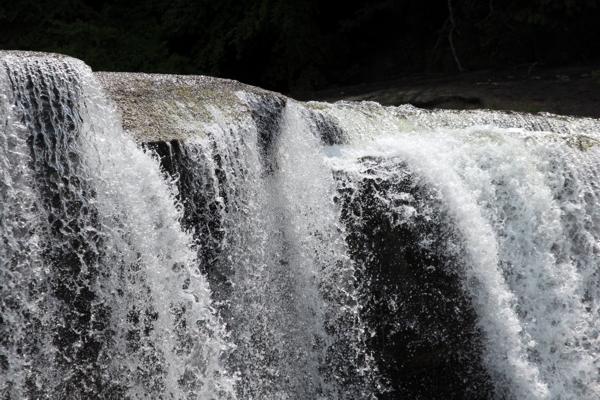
295	46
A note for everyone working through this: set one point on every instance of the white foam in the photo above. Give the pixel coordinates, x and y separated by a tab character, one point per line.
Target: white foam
505	188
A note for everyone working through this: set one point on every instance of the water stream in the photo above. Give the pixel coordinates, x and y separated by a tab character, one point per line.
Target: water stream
286	250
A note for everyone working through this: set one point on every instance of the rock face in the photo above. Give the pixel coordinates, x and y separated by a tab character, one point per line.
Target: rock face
156	108
422	327
557	90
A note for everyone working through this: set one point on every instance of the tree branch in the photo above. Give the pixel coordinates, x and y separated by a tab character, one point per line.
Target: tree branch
452	28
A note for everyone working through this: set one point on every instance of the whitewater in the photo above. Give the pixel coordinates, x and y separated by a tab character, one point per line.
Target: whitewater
194	238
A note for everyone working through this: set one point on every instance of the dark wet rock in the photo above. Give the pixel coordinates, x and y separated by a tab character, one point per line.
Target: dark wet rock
422	327
557	90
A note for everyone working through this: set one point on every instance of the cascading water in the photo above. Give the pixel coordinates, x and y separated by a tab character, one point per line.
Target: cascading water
101	294
521	204
268	237
249	246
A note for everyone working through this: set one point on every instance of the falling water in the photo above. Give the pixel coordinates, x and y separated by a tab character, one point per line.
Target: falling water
520	194
187	237
101	293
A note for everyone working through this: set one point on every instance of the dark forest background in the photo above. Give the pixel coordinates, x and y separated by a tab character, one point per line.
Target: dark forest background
295	46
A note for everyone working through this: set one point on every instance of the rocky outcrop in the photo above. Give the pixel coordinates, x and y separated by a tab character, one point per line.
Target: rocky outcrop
156	107
557	90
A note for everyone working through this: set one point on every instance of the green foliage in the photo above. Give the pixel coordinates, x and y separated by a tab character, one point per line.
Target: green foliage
533	109
545	12
399	100
596	74
306	45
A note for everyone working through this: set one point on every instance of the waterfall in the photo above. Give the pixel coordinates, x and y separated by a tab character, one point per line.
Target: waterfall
522	201
101	292
193	237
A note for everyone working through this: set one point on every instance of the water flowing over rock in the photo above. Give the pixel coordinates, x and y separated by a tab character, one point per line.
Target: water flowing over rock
193	237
